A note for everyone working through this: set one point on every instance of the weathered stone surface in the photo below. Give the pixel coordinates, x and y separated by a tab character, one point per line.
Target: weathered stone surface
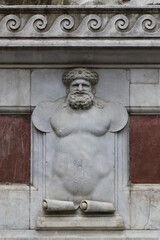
144	76
113	85
113	222
80	235
145	209
140	95
15	87
46	85
14	207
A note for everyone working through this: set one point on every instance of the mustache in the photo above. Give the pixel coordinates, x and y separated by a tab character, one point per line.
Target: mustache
80	92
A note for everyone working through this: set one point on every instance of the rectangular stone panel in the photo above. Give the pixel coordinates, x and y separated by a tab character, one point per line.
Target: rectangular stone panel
144	95
15	87
113	85
46	85
14	209
144	76
145	209
145	149
15	148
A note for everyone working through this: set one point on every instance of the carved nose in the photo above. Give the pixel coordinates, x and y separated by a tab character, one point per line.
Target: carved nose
80	87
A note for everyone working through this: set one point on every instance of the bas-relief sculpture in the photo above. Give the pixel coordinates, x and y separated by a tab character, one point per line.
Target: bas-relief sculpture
80	131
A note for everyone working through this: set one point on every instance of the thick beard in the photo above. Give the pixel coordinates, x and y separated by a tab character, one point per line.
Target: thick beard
80	101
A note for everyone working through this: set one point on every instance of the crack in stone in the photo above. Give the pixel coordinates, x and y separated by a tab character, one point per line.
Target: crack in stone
147	224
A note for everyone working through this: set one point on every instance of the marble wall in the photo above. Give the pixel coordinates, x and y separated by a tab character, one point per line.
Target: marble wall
23	89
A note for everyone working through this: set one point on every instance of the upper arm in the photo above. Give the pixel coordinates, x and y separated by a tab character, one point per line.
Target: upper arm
118	117
41	116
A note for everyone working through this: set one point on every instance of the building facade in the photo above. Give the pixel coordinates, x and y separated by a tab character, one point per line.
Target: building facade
67	172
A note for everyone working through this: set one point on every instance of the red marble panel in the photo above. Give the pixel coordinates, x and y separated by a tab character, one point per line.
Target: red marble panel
145	149
14	148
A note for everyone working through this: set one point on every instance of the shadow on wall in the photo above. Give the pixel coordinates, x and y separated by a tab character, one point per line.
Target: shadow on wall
63	2
29	2
80	2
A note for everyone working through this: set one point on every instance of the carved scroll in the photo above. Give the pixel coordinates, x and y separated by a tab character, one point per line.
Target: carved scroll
55	205
95	206
91	25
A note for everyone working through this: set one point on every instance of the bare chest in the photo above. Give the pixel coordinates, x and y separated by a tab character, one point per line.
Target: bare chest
94	121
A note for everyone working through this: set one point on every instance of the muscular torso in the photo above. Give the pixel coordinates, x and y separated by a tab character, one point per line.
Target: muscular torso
81	148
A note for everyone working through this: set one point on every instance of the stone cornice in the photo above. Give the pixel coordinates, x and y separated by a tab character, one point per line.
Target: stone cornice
78	8
79	26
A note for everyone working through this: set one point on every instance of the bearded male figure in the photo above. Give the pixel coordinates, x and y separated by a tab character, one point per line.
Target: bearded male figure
80	145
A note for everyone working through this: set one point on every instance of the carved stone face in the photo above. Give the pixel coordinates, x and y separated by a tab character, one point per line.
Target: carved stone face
80	94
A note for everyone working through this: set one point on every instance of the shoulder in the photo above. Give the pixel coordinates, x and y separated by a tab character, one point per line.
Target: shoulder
116	112
50	104
43	112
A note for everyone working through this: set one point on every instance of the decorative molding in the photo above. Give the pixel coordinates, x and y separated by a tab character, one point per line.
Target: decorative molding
61	65
79	22
70	26
142	110
15	110
82	26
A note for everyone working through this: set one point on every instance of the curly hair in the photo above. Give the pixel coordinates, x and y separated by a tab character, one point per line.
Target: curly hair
80	73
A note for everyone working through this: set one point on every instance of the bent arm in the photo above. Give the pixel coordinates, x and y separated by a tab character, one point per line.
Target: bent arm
118	117
41	116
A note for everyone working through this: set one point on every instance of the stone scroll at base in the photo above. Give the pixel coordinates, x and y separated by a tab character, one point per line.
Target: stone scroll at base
106	222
